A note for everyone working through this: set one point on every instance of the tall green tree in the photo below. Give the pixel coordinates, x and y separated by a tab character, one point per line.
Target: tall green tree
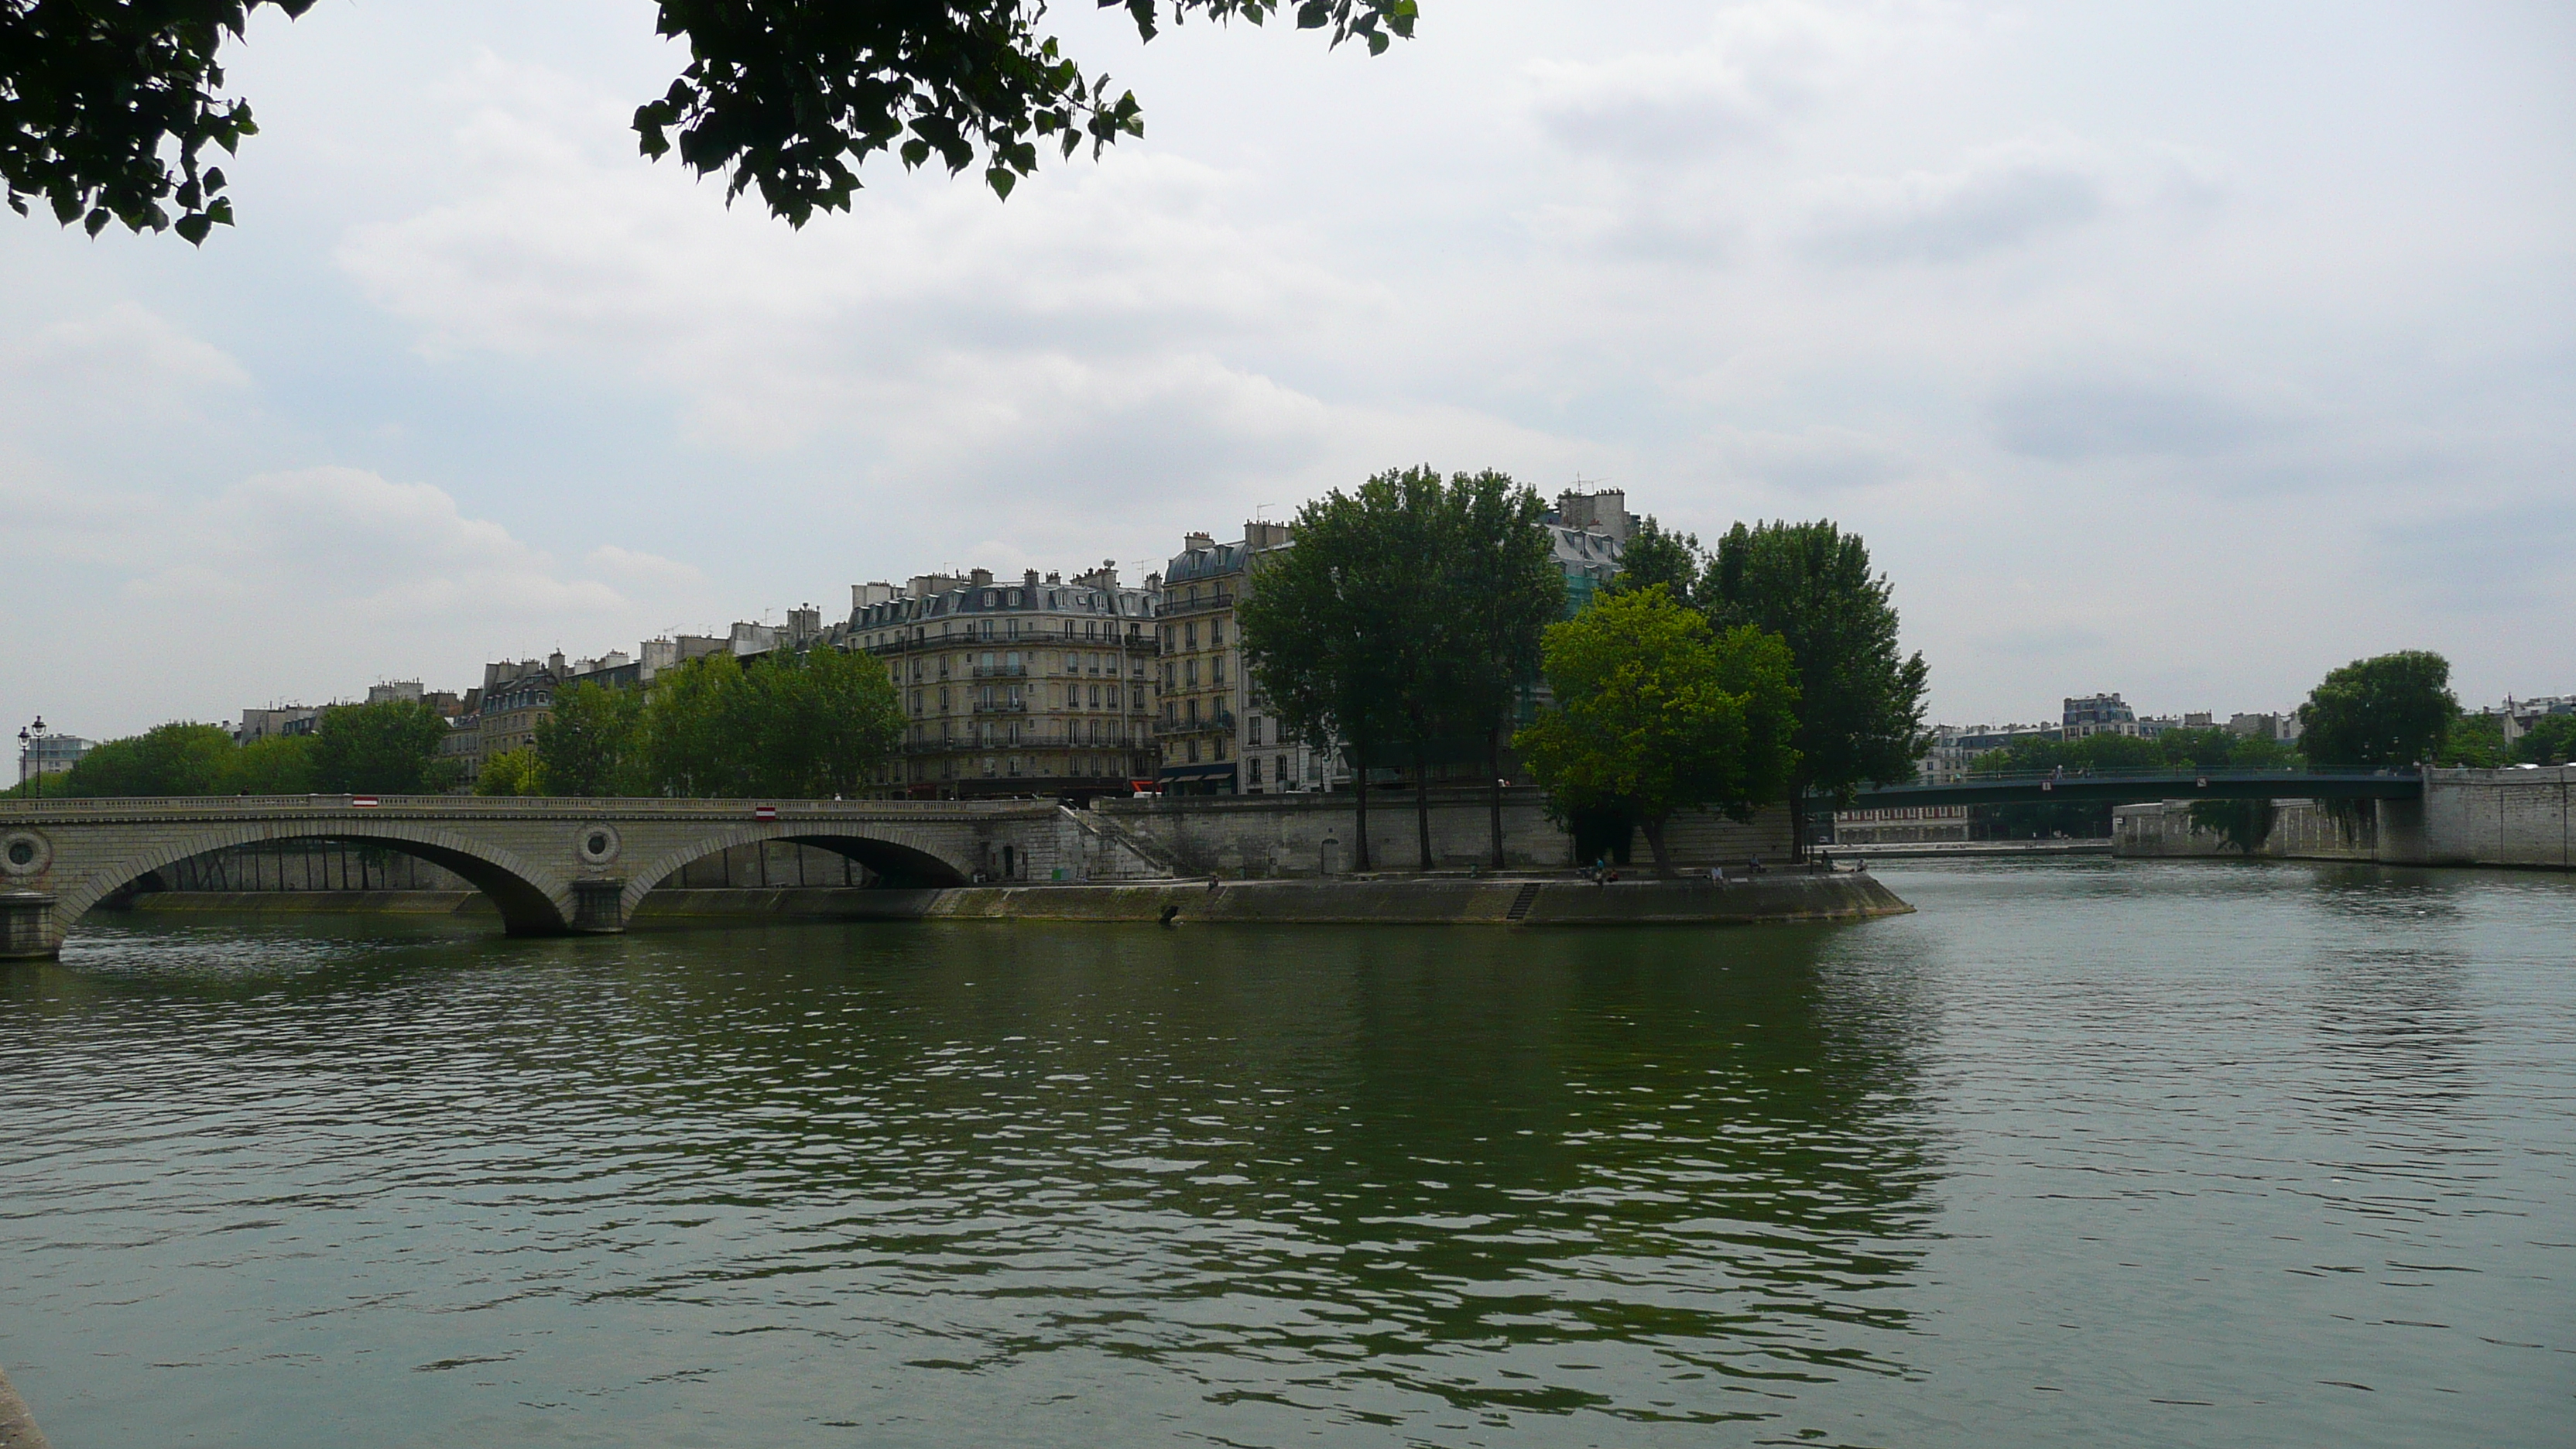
689	712
818	723
1860	697
1497	588
107	107
590	744
1656	712
276	765
2474	742
788	726
390	747
171	759
511	772
1315	633
2384	713
2551	740
1656	556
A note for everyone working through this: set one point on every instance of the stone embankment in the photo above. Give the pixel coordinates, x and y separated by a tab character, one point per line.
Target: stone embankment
1945	849
17	1427
2467	817
1419	900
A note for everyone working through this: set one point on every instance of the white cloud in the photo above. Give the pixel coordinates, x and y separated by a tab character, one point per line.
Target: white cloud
2071	419
1995	198
1955	273
126	360
1762	65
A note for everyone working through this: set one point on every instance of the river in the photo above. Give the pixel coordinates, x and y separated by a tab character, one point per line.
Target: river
2186	1153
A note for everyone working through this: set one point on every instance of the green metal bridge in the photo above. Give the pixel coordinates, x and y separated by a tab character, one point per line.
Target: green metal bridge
2134	787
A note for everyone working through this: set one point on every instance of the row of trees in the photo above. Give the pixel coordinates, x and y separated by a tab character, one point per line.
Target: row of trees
389	748
1414	615
1404	625
787	726
794	726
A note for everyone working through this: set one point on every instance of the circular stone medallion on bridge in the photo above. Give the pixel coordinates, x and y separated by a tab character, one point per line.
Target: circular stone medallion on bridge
596	844
24	853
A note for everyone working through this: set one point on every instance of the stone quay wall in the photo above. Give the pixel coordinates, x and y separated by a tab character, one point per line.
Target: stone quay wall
2467	817
1303	836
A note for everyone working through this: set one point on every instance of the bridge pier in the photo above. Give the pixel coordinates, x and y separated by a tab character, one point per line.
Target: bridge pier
26	926
598	906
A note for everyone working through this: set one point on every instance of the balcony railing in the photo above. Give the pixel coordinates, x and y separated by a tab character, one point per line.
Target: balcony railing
1224	599
1000	671
1001	706
1220	723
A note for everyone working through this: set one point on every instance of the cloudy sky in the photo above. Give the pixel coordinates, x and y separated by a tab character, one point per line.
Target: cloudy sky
2187	350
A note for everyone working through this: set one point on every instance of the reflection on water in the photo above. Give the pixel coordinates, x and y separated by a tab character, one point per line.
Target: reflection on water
2069	1153
1272	1175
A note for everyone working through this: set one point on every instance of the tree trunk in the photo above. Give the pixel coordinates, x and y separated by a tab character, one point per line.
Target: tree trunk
1654	830
1494	773
1422	800
1359	786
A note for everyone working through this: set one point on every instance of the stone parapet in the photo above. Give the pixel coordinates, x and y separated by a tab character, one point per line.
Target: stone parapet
2467	817
1314	834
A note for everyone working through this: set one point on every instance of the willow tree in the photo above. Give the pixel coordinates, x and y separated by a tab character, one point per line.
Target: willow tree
2385	713
1656	712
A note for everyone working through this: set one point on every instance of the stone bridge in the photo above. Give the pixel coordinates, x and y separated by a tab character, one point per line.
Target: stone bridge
551	866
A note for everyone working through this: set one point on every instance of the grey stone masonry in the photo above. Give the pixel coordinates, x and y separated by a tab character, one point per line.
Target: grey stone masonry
551	866
2524	817
1315	834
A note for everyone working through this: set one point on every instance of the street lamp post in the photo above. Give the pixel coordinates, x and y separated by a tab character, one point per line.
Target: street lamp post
30	740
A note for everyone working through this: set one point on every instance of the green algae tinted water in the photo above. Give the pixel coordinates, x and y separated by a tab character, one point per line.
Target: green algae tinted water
2152	1154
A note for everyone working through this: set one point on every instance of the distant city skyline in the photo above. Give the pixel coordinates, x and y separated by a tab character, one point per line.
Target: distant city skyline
2188	352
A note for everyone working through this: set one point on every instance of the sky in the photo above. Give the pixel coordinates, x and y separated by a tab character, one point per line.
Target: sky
2186	350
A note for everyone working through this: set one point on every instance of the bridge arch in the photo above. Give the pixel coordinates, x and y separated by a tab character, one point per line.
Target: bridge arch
893	856
517	888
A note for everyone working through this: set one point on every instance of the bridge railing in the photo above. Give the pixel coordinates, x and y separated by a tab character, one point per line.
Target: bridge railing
2174	772
59	807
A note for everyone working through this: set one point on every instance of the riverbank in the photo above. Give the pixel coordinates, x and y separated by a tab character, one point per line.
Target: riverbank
1434	900
1942	849
17	1426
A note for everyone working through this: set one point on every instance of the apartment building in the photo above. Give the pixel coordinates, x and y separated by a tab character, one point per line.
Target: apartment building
2098	714
1214	731
1042	687
1954	749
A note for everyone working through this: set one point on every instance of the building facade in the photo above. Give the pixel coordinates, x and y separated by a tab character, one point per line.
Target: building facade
2098	714
1041	687
1955	748
42	753
1902	825
1214	731
517	695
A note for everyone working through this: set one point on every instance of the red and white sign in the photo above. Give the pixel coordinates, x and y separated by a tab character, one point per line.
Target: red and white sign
363	802
764	812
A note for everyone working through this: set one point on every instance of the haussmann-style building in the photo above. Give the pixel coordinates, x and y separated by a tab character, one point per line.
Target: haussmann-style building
1038	687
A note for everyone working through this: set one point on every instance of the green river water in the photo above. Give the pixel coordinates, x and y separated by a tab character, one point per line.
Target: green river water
2089	1153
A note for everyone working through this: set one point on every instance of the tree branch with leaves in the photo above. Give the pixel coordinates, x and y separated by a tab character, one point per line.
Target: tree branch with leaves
107	106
